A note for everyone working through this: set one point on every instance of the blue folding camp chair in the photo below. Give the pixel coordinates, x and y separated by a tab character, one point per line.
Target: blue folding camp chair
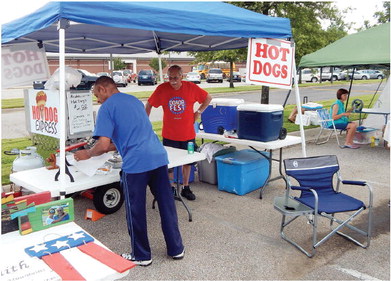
318	198
326	124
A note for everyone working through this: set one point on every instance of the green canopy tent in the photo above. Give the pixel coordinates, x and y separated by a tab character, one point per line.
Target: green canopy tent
368	47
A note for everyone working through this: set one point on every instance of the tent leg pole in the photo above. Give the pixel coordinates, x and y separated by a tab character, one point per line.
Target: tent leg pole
299	114
61	32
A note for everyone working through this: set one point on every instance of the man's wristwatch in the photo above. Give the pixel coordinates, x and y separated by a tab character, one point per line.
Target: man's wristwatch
199	111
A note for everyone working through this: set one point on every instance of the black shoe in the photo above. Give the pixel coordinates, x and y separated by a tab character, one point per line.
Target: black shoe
187	193
176	197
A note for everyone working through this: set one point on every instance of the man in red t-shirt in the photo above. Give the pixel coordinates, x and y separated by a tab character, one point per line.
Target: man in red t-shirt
177	98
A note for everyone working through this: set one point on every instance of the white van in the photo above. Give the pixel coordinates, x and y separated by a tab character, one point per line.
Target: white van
308	75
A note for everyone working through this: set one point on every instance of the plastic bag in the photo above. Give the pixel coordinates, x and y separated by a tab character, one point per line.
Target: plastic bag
72	79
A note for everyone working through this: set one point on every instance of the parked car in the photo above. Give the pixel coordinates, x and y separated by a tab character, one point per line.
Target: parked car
308	75
120	78
103	74
214	74
333	75
193	77
367	74
236	77
146	77
87	81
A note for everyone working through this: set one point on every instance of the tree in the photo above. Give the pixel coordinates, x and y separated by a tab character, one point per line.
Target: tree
306	22
119	63
383	16
154	64
225	55
307	29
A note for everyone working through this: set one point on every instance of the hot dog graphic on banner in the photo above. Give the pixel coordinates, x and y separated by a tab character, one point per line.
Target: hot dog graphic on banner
44	112
270	62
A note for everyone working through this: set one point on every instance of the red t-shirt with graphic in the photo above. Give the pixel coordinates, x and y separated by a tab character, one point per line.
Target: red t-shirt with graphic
178	109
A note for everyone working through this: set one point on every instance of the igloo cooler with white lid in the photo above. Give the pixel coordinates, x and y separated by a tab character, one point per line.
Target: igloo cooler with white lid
261	122
220	115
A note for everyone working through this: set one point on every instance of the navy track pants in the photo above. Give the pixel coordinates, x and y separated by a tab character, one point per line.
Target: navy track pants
134	187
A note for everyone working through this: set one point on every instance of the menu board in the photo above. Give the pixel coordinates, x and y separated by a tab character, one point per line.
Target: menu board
80	112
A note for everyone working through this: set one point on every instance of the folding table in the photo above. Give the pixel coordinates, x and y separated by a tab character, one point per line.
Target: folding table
256	145
42	179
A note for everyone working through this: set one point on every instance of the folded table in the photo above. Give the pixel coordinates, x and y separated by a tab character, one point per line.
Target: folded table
258	145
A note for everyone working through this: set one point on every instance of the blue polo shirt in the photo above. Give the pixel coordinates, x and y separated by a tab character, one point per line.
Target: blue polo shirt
123	119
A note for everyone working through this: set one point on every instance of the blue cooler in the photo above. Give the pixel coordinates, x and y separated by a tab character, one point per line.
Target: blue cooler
242	171
260	122
220	115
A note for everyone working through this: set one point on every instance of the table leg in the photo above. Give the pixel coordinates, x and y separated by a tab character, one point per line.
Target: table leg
177	196
178	191
270	159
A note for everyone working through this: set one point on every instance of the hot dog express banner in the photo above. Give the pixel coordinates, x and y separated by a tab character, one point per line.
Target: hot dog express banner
270	62
44	112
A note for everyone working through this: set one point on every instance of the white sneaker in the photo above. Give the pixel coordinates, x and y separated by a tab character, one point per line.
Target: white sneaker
140	263
179	256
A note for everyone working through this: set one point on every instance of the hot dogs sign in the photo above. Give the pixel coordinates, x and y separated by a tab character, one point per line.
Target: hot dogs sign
44	112
270	62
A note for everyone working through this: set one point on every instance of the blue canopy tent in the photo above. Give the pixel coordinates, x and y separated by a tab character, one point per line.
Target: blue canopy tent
138	27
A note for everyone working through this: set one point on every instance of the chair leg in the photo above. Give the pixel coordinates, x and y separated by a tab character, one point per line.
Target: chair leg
309	254
320	133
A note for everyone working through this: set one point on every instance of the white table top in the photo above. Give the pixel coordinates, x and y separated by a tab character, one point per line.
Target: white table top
42	179
373	111
13	245
289	140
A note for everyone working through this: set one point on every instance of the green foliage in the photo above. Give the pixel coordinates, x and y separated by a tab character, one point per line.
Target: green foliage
155	64
12	103
306	21
383	16
119	63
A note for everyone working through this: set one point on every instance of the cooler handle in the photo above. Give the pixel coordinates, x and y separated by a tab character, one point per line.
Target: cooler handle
228	160
276	115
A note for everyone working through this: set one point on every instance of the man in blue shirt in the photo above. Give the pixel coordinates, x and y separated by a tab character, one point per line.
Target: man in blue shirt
123	124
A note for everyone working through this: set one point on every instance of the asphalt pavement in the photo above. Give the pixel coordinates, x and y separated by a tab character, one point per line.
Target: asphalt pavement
237	237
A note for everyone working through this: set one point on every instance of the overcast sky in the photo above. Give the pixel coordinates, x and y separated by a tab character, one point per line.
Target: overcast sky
364	10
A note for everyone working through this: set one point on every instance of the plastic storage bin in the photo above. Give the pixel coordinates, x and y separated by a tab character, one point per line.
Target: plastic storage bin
220	115
242	171
207	171
260	122
363	135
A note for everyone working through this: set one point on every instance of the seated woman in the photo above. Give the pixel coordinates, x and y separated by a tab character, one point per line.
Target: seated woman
341	120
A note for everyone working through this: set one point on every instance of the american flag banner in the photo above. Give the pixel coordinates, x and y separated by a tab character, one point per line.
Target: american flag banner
57	245
55	252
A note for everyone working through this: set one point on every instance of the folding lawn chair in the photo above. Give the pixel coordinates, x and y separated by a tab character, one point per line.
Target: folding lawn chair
318	198
325	122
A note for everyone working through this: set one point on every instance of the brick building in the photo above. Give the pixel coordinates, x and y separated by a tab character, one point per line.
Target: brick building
101	62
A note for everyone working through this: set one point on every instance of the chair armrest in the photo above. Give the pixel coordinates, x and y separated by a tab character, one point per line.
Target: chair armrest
300	188
362	183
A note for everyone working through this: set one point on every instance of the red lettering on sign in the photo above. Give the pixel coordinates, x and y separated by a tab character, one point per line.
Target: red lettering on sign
261	48
257	67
